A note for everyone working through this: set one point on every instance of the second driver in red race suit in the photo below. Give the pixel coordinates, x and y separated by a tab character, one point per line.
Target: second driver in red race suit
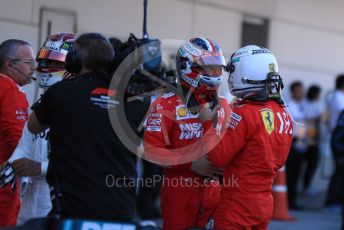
256	143
190	190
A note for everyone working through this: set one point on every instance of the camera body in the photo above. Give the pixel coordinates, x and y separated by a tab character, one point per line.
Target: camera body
145	54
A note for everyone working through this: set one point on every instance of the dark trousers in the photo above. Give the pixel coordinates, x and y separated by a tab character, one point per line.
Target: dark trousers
343	214
342	193
312	158
334	192
293	168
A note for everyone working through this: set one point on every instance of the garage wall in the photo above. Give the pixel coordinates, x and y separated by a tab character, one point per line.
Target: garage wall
306	36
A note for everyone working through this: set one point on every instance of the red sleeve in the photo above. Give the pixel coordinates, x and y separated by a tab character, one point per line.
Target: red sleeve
12	119
157	126
157	141
223	116
232	142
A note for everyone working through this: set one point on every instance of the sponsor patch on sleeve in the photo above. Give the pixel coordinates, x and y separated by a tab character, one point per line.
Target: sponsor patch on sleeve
21	115
235	116
154	121
154	124
234	120
154	128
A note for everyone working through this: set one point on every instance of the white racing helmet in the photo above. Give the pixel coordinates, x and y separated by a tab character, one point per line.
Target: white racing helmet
254	74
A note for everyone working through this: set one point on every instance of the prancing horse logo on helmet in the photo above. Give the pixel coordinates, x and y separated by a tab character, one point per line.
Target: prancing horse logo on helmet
268	119
272	68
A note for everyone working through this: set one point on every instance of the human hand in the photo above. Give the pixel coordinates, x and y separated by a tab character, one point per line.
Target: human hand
26	167
204	167
206	113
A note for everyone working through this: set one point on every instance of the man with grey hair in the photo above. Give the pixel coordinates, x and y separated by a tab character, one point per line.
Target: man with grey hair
17	65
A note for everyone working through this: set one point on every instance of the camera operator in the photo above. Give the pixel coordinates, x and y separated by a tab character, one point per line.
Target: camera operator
84	147
139	87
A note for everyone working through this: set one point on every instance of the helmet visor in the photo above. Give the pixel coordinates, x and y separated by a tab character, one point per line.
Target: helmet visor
47	63
210	60
52	55
208	70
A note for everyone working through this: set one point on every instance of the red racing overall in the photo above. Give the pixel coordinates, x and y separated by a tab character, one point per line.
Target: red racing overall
254	148
13	114
187	200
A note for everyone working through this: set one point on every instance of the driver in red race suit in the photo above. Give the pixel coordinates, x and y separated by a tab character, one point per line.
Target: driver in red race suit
190	190
256	144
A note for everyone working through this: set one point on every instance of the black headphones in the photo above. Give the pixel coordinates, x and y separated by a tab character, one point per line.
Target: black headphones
182	63
73	62
230	67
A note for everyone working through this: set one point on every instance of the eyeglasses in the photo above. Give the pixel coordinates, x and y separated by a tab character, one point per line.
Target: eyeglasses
30	62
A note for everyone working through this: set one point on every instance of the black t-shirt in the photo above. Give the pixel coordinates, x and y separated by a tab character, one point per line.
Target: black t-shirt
94	170
135	112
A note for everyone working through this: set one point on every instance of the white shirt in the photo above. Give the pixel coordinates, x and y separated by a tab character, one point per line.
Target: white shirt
312	109
34	191
297	112
336	107
312	112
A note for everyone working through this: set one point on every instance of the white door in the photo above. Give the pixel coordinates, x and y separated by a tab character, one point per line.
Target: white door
56	21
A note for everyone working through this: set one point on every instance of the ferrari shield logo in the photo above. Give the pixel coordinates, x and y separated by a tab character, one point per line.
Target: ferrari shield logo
268	119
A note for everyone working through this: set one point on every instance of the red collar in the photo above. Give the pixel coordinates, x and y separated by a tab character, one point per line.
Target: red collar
10	80
8	77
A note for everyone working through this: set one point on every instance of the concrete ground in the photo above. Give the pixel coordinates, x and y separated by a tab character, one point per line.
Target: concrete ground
308	220
313	216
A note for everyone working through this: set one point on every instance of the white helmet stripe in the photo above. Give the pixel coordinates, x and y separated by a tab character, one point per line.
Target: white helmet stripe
208	44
